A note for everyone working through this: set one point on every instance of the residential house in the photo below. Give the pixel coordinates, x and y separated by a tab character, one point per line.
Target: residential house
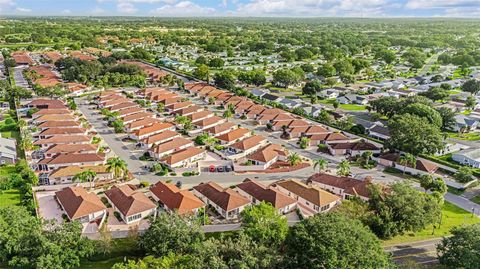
227	202
470	157
172	199
153	129
68	159
233	136
221	129
184	158
267	156
257	193
311	200
421	167
80	205
169	147
64	139
345	187
352	148
8	151
66	174
160	138
132	205
247	145
465	123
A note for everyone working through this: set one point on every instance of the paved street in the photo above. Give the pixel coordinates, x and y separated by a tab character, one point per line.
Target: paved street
422	252
135	166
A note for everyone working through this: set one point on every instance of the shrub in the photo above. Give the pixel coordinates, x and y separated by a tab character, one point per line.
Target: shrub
117	215
144	184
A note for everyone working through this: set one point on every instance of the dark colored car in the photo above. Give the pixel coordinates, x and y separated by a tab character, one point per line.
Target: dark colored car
220	169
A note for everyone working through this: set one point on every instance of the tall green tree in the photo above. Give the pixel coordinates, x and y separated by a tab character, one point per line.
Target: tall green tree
263	224
171	233
462	249
321	164
86	176
333	241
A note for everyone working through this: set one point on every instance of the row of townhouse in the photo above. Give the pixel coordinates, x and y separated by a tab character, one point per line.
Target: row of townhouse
292	126
157	136
62	145
319	194
251	152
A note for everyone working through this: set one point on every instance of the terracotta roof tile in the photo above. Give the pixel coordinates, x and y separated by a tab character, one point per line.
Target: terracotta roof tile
227	199
77	202
182	201
127	201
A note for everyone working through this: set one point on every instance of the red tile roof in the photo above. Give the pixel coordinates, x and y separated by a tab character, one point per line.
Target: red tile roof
227	199
129	202
181	201
77	202
266	194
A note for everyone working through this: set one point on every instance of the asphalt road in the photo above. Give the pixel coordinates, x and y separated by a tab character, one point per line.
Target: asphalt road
422	252
136	167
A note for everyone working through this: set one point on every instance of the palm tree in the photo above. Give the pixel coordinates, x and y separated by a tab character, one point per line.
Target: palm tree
294	159
407	159
86	176
227	114
343	168
322	165
117	166
367	155
304	142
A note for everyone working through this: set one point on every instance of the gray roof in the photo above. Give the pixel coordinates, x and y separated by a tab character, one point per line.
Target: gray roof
8	148
464	120
257	92
470	153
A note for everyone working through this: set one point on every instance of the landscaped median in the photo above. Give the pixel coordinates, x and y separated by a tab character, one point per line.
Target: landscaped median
452	216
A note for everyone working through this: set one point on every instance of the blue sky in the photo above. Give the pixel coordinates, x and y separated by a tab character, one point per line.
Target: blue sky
284	8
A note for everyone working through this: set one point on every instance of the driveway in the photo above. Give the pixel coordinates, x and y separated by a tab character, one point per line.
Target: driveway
48	207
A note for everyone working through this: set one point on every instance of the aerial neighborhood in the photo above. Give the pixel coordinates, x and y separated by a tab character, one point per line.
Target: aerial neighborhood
250	144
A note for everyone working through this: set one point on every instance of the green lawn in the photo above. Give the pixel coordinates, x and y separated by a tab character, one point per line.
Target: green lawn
465	136
452	216
476	199
122	249
9	197
350	107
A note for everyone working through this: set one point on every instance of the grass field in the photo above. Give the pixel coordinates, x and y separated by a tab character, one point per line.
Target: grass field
476	199
9	197
466	136
350	107
452	216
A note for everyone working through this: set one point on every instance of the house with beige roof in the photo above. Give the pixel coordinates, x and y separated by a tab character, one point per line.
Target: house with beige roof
66	174
311	200
227	202
172	199
132	205
54	117
257	193
206	123
80	205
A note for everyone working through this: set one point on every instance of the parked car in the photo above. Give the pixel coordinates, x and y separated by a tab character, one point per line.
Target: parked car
220	169
212	169
228	168
179	184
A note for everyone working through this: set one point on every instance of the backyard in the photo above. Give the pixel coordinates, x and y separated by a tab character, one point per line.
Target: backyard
8	197
452	216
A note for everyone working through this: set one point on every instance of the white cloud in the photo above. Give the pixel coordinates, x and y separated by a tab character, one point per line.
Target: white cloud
66	11
441	4
183	8
316	8
126	7
23	10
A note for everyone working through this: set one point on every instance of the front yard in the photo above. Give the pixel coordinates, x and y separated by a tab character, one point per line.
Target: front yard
452	216
474	136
